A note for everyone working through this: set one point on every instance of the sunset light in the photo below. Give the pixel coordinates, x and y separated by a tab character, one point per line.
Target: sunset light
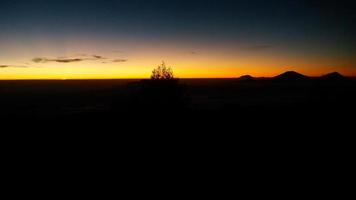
125	39
101	70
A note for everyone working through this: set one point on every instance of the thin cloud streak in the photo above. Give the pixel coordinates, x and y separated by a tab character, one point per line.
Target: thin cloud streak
76	59
99	57
119	60
12	66
59	60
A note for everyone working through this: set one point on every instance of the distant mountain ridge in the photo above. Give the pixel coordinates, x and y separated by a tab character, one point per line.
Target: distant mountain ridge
334	76
246	78
295	76
291	76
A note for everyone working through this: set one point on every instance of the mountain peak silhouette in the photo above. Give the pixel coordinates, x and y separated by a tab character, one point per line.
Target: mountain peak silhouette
246	78
333	76
291	76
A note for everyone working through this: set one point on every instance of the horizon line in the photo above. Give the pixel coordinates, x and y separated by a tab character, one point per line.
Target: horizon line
88	79
146	78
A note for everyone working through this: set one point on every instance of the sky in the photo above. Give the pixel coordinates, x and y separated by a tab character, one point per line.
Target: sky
84	39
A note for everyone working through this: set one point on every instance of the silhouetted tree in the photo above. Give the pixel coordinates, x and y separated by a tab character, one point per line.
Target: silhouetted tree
161	93
162	72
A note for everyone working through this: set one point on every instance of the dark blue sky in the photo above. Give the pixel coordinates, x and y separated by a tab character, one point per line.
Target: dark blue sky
298	25
183	18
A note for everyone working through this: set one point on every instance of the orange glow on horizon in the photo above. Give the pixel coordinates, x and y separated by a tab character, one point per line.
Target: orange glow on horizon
145	72
138	62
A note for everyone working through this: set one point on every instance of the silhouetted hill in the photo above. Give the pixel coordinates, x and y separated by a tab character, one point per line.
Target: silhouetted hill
291	76
334	76
246	78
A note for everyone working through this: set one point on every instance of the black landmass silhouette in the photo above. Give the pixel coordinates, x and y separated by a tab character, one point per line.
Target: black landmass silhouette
246	78
291	76
296	76
334	76
143	99
144	114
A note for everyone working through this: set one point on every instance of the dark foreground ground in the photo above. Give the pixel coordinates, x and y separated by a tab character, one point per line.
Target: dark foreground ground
193	100
42	98
70	98
261	129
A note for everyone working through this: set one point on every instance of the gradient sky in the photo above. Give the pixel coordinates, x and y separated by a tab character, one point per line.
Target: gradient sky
199	38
